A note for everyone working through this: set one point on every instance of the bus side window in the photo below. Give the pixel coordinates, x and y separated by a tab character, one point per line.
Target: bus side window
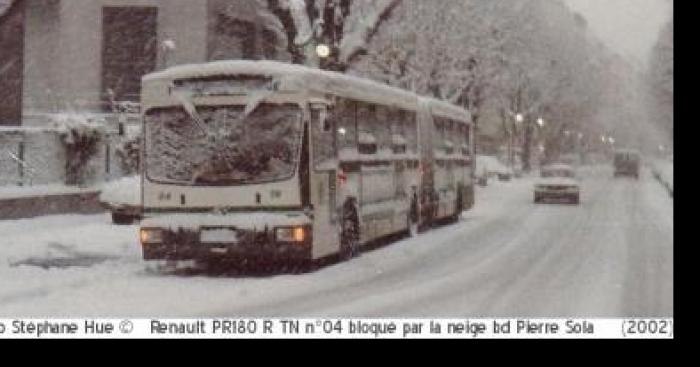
382	127
438	134
410	123
346	116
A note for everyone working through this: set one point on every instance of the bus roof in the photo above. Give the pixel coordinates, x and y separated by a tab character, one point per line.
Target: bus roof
322	81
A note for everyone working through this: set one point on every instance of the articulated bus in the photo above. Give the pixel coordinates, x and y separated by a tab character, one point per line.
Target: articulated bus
260	160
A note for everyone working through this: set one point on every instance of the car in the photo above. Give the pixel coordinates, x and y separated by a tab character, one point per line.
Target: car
570	159
557	181
489	166
626	163
122	198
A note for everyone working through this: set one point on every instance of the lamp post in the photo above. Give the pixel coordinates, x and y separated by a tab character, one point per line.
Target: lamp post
518	119
540	139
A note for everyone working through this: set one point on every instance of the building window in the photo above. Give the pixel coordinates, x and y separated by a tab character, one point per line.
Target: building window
11	63
232	39
129	50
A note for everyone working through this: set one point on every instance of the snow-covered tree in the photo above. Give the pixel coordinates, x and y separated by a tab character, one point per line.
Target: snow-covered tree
529	57
344	26
661	78
5	6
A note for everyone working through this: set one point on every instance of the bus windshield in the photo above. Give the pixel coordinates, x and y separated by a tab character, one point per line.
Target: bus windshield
231	148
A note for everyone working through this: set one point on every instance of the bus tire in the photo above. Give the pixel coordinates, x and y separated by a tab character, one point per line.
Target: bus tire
350	232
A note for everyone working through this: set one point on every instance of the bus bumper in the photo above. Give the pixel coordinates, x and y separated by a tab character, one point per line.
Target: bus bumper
261	246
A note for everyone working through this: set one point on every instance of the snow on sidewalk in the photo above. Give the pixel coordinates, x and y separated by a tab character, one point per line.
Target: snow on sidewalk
15	192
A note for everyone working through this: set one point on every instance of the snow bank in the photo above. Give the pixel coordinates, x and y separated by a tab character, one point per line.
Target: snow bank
14	192
124	191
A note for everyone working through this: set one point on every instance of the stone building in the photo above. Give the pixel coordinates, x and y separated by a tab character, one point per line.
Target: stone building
81	55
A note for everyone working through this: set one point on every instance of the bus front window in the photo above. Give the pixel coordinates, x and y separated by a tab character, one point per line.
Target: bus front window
233	149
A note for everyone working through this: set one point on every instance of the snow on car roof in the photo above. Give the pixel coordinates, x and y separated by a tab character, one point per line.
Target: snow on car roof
490	164
627	151
320	80
557	166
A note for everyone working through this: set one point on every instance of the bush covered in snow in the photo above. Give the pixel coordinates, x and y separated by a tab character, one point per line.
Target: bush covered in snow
80	136
128	150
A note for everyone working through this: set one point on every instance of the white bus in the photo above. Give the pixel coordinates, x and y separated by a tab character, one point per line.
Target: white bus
259	160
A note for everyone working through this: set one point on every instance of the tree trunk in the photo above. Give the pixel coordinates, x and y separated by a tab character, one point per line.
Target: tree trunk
527	145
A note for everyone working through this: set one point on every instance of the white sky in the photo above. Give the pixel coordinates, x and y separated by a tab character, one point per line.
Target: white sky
630	27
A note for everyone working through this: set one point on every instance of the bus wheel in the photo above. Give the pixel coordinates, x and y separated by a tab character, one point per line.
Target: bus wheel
350	235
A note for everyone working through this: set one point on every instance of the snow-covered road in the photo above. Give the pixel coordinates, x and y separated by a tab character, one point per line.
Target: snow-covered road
612	256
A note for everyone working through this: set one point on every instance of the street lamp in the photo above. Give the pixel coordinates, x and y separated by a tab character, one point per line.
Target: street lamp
323	51
519	118
540	122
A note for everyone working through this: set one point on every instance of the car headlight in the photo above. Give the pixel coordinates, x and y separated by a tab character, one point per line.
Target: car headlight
151	235
290	234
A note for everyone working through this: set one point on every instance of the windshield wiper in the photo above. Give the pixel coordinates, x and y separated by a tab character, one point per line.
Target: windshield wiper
186	103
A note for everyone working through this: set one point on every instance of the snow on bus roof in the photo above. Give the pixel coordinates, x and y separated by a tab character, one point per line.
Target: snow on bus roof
321	80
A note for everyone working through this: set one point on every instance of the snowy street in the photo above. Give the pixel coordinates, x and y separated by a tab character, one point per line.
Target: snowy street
611	256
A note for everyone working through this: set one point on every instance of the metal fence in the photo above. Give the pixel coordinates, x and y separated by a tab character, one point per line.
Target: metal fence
36	155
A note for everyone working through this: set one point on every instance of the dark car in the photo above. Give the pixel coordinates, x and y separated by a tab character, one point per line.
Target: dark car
626	163
123	199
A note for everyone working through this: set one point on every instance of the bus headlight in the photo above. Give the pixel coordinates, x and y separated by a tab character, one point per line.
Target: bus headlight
290	234
151	235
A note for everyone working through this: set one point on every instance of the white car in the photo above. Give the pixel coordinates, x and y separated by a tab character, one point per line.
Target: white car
489	166
123	199
557	181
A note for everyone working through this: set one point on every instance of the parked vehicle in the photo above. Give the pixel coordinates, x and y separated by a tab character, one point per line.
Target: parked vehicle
626	163
122	198
490	166
557	181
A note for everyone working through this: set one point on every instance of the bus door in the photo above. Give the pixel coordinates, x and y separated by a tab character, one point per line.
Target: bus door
324	179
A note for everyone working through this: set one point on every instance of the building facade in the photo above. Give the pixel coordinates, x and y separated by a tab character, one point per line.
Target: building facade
83	55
